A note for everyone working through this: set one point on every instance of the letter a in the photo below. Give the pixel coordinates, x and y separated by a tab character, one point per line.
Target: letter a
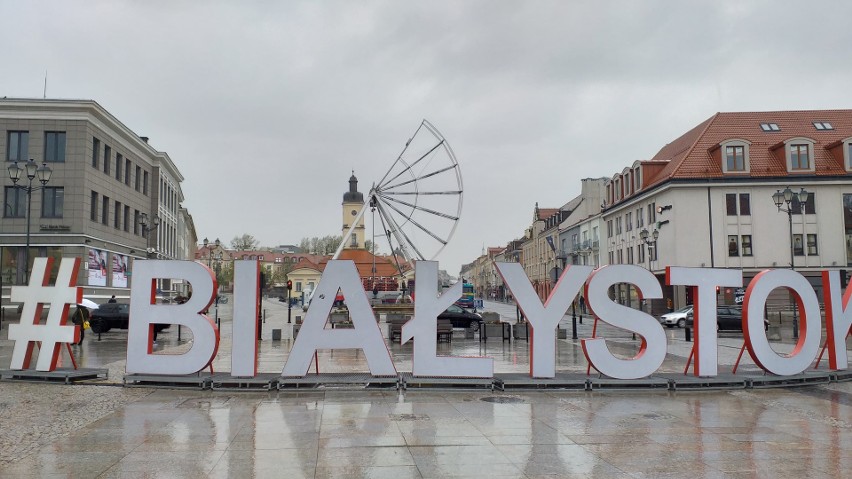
365	334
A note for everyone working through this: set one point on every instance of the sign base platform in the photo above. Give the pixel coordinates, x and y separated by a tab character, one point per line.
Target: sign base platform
63	375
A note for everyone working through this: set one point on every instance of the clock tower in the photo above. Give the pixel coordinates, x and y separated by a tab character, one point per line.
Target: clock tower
353	201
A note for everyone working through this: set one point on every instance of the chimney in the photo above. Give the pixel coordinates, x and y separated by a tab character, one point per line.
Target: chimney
144	138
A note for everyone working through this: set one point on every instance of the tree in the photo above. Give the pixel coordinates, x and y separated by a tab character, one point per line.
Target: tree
325	245
246	242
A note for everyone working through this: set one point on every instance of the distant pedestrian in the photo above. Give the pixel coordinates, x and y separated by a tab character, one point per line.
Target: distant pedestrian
582	305
112	300
78	318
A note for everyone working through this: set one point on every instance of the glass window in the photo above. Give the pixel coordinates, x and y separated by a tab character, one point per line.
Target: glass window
812	245
629	220
96	152
119	162
639	218
138	177
107	158
136	222
735	156
18	146
731	204
126	218
52	202
745	204
105	210
116	220
652	213
14	202
799	159
640	253
127	170
54	146
798	247
733	246
746	245
145	183
93	207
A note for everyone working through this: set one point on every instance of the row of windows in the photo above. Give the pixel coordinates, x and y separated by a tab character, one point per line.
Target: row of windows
628	220
741	245
52	202
619	256
624	185
18	146
123	167
739	204
800	157
120	218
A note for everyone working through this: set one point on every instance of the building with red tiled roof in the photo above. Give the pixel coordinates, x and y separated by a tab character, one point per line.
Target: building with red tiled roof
706	199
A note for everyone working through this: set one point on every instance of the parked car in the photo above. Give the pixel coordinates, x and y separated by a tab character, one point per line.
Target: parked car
461	318
113	315
676	318
728	318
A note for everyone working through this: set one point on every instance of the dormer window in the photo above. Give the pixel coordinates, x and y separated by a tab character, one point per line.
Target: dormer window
823	125
769	127
799	157
735	156
799	154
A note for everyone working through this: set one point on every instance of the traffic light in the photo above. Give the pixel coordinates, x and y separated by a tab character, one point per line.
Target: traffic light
289	285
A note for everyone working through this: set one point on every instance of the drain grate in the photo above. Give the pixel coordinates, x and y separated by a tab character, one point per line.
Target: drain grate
503	399
408	417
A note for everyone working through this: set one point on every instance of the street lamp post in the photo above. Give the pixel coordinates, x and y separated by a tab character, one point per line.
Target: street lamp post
217	257
786	197
34	171
147	227
649	239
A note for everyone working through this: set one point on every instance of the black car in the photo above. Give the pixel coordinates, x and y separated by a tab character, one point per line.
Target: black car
461	318
728	318
113	315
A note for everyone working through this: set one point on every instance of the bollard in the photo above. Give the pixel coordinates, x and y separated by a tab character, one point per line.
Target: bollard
581	318
574	327
687	334
178	333
264	315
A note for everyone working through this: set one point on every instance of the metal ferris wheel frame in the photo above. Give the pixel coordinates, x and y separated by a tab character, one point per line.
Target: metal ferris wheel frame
402	198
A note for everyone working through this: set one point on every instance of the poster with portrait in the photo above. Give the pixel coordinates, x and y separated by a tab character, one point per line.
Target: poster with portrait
119	270
97	267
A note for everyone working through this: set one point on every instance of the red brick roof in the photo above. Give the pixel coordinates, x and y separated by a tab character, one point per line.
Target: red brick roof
690	155
364	263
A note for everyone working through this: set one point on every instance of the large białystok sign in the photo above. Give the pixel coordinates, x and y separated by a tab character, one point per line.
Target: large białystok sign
366	336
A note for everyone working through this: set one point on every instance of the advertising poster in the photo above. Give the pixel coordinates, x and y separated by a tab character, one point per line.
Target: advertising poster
119	270
97	267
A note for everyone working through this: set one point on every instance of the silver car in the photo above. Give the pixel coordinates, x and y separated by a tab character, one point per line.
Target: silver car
676	318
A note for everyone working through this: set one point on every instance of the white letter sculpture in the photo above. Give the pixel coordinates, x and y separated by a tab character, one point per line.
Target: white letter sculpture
652	352
144	313
543	319
838	318
810	328
244	332
705	280
365	334
424	329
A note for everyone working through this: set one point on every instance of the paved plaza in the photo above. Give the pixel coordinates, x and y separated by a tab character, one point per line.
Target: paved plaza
101	429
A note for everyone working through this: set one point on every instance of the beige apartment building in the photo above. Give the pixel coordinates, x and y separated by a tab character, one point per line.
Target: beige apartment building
111	198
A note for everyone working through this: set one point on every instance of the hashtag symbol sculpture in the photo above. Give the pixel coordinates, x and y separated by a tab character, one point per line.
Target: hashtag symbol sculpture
54	332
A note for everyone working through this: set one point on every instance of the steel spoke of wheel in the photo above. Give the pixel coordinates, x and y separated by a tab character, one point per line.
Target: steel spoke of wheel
413	180
420	208
397	230
412	164
426	193
415	223
399	158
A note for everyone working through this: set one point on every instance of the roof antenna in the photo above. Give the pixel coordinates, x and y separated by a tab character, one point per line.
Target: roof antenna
45	85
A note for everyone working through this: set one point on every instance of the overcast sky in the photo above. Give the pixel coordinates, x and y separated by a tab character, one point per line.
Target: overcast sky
267	107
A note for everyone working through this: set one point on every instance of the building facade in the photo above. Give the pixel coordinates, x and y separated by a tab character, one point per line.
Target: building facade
105	179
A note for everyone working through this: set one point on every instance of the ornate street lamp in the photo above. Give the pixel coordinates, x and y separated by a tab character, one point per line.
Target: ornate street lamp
33	171
147	226
786	198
